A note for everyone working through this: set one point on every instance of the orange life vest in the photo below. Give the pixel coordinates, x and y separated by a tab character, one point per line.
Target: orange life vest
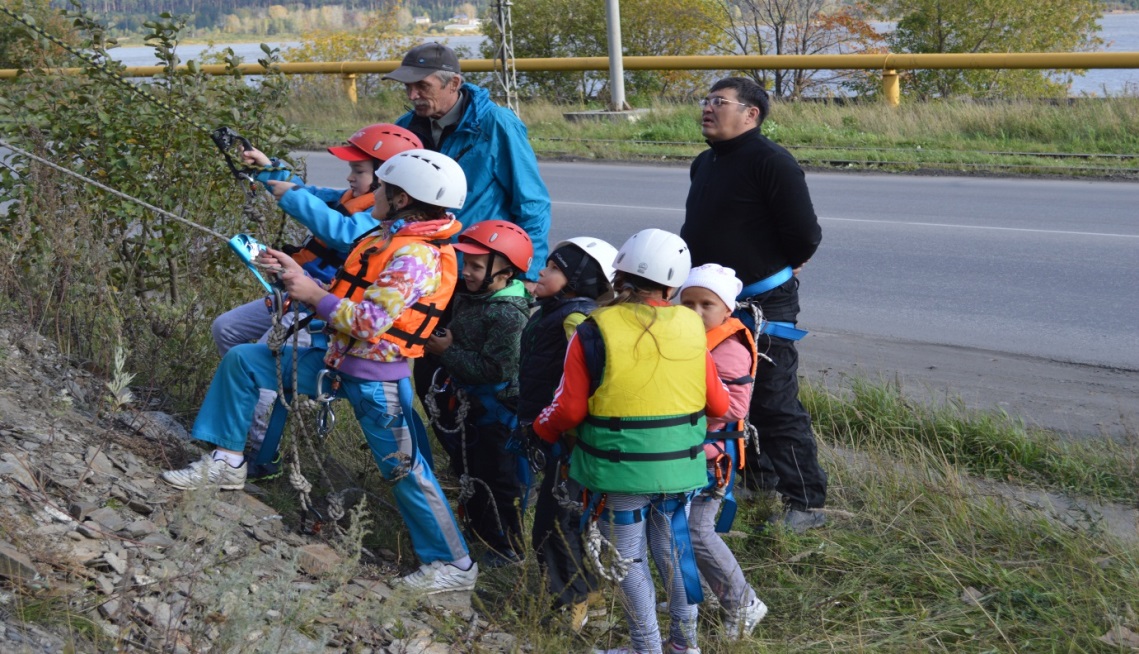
731	327
718	335
370	257
313	248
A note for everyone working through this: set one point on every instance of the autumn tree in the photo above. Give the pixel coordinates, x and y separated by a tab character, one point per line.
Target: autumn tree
378	40
970	26
570	28
19	47
468	10
799	27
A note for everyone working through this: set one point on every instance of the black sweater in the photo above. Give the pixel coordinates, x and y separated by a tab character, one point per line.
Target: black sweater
749	209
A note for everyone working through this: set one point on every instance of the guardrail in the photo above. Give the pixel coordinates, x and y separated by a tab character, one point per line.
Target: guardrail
889	64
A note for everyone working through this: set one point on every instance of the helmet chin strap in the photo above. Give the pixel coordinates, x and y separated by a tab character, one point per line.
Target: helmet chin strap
489	276
573	280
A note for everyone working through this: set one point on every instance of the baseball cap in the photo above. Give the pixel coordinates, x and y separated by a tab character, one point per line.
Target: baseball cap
423	60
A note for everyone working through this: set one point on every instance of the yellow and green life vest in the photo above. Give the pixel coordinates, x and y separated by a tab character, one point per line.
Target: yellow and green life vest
645	428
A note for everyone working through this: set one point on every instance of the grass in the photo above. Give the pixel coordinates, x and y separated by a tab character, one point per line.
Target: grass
1086	137
912	535
989	445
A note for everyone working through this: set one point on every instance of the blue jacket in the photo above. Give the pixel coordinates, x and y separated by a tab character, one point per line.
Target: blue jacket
312	206
503	183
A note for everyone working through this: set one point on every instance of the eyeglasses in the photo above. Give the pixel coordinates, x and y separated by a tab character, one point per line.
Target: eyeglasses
717	102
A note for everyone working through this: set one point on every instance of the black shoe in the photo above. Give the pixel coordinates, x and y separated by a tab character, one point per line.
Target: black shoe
264	471
492	559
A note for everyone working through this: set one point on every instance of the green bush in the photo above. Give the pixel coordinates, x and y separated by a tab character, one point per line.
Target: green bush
93	267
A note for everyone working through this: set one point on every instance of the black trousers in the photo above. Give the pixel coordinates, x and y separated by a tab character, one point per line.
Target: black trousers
556	537
493	513
787	460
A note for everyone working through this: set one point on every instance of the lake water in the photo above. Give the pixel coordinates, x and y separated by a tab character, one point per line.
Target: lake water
1119	31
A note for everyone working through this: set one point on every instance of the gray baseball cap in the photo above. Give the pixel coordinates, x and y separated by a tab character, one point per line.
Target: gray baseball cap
423	60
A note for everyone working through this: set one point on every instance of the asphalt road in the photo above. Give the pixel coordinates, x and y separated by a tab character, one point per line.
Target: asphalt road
1015	294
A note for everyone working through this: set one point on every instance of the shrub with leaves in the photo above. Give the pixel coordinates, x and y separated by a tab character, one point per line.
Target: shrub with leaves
96	266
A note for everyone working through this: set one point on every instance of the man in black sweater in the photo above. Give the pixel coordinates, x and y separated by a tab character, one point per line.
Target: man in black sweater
749	209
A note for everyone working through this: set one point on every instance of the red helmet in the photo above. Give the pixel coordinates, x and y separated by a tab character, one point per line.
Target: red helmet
381	141
501	237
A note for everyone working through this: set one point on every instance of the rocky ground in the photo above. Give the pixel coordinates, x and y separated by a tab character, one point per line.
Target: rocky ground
97	554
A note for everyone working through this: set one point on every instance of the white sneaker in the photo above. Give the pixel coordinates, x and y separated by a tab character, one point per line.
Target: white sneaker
742	621
440	577
619	650
207	473
673	648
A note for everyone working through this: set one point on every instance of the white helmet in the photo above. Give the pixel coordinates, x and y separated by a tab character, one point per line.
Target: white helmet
428	176
598	250
656	255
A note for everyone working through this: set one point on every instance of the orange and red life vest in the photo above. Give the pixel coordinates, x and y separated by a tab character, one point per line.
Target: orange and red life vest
370	257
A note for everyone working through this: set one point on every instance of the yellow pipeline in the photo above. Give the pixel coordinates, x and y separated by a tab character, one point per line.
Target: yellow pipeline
1031	60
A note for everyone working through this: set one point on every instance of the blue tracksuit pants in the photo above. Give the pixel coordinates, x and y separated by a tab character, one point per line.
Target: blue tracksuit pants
380	407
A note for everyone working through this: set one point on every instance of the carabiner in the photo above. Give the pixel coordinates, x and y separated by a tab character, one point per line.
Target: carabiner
326	419
435	385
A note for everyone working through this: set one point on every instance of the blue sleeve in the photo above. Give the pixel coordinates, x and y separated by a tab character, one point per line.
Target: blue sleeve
327	224
329	196
516	168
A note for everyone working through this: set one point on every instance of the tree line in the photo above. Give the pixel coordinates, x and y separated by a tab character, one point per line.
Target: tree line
570	28
573	28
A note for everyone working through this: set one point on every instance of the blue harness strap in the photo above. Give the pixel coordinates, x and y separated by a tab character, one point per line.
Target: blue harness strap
766	284
728	506
487	395
672	506
786	330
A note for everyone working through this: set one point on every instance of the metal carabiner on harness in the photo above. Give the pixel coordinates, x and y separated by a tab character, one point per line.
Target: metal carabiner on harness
757	316
278	303
326	418
436	386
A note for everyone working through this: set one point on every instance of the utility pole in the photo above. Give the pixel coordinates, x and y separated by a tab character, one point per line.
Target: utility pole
616	63
504	55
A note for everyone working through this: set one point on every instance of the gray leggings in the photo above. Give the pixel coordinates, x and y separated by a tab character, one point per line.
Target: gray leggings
717	564
638	595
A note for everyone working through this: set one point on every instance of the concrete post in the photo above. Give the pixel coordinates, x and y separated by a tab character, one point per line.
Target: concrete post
616	64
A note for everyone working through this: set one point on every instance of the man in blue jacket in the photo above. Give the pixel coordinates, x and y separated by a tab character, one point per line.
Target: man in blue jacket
489	142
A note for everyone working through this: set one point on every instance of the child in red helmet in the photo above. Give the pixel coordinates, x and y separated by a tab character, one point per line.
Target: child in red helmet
336	218
474	396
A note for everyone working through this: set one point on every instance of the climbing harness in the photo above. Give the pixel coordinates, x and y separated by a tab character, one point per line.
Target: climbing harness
672	505
785	330
441	384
